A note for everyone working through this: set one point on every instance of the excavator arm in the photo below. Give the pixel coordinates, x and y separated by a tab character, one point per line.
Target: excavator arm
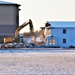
23	25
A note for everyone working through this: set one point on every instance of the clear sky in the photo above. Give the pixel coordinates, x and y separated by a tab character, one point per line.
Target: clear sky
40	11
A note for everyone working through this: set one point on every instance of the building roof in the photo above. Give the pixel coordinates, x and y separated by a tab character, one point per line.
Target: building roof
62	23
8	3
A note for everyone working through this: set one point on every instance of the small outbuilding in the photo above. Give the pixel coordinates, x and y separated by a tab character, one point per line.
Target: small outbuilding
9	18
62	34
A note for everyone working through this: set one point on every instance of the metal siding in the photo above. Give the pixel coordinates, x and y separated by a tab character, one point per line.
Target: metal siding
8	14
61	24
69	36
8	17
7	30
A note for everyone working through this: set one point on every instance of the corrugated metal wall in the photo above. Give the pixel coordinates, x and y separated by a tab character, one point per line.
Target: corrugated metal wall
9	15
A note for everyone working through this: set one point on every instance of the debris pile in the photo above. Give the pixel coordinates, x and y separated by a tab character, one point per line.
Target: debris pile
22	42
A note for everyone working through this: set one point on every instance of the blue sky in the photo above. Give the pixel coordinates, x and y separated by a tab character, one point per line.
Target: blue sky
40	11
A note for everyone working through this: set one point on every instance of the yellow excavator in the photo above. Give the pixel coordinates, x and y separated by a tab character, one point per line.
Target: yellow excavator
23	25
29	22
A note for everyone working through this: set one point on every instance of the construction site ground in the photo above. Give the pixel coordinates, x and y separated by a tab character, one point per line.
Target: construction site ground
34	62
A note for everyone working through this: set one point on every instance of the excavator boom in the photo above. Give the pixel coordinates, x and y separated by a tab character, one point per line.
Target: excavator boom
23	25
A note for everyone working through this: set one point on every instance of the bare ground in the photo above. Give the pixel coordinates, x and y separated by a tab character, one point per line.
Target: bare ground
37	63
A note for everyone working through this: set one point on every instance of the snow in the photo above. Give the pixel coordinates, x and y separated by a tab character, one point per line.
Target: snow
28	40
38	40
37	62
36	50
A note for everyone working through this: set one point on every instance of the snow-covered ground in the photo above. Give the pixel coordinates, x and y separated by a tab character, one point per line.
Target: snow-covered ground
37	63
36	50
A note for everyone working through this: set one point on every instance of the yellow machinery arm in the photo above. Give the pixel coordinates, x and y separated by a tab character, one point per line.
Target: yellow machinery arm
23	25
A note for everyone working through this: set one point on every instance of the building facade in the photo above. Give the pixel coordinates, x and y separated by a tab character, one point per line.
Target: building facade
62	34
9	18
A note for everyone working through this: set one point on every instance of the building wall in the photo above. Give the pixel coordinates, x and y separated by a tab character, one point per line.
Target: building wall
8	30
8	19
69	36
48	41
